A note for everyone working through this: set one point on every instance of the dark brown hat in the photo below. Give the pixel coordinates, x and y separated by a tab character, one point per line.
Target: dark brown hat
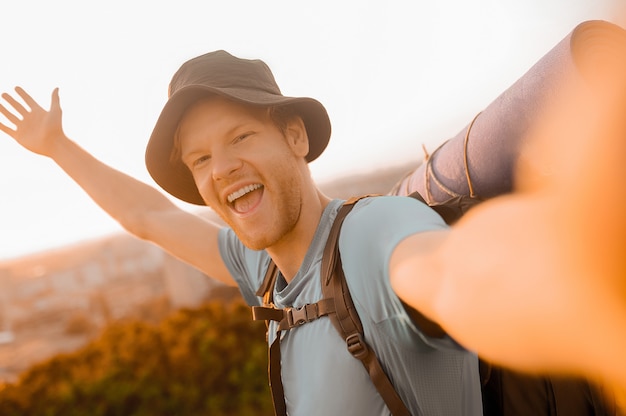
242	80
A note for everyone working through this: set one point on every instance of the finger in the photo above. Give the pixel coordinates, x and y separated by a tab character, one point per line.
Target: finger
27	98
7	130
9	115
15	104
55	102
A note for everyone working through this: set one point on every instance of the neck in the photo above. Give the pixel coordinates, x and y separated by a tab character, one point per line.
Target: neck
289	252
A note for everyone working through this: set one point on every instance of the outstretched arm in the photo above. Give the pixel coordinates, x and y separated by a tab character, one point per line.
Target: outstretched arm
536	280
139	208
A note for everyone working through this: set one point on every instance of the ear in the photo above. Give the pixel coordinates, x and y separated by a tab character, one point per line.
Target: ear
297	137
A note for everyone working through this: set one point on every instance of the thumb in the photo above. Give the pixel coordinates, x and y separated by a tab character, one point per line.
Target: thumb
55	102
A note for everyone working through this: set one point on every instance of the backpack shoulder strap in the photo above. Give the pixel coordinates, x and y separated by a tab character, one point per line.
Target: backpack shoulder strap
451	209
267	286
345	319
337	304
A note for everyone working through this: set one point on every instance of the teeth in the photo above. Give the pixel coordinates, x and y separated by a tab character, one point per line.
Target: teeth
242	192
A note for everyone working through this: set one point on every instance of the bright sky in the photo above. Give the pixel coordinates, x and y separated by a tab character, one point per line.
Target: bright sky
392	75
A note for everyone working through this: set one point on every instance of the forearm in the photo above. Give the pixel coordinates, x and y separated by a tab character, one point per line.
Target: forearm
506	283
124	198
489	282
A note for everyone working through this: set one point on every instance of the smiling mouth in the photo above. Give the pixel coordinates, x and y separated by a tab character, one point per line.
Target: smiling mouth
243	191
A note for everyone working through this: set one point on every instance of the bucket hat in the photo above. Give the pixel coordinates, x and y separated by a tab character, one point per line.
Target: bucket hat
242	80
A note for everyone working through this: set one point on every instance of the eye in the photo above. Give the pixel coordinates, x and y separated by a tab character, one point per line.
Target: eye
242	137
200	161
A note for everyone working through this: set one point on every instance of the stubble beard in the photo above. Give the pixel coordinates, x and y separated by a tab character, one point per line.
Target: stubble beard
287	205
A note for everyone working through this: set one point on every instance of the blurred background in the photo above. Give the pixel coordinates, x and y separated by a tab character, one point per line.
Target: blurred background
393	77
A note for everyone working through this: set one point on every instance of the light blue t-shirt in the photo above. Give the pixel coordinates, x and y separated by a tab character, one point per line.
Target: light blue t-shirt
320	377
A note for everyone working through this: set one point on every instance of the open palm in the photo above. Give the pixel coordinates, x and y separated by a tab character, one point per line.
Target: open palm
36	128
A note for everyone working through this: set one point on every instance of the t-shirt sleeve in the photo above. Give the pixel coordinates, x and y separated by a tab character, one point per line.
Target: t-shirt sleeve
368	237
246	266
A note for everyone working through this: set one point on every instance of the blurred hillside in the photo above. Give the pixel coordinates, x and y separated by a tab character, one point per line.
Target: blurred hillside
55	301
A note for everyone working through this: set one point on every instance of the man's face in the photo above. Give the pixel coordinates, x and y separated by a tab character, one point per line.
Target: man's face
246	169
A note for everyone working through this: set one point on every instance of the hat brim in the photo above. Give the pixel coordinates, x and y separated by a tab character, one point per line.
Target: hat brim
175	178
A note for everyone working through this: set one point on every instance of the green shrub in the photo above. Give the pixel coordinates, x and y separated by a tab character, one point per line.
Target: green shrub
206	361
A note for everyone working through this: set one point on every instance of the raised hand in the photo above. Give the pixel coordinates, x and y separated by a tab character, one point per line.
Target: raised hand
36	129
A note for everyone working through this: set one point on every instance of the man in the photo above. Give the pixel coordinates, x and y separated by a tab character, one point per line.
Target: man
229	139
553	233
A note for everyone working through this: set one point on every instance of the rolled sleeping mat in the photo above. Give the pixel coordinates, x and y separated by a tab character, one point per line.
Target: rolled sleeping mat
479	161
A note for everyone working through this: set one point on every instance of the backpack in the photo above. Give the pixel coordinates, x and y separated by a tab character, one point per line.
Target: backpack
504	391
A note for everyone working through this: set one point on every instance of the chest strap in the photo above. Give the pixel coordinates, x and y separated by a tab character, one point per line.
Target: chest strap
289	318
337	304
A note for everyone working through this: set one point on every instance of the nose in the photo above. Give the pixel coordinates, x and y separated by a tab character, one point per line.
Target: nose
225	163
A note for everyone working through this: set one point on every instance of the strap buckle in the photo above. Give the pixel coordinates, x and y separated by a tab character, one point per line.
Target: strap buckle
357	346
302	315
